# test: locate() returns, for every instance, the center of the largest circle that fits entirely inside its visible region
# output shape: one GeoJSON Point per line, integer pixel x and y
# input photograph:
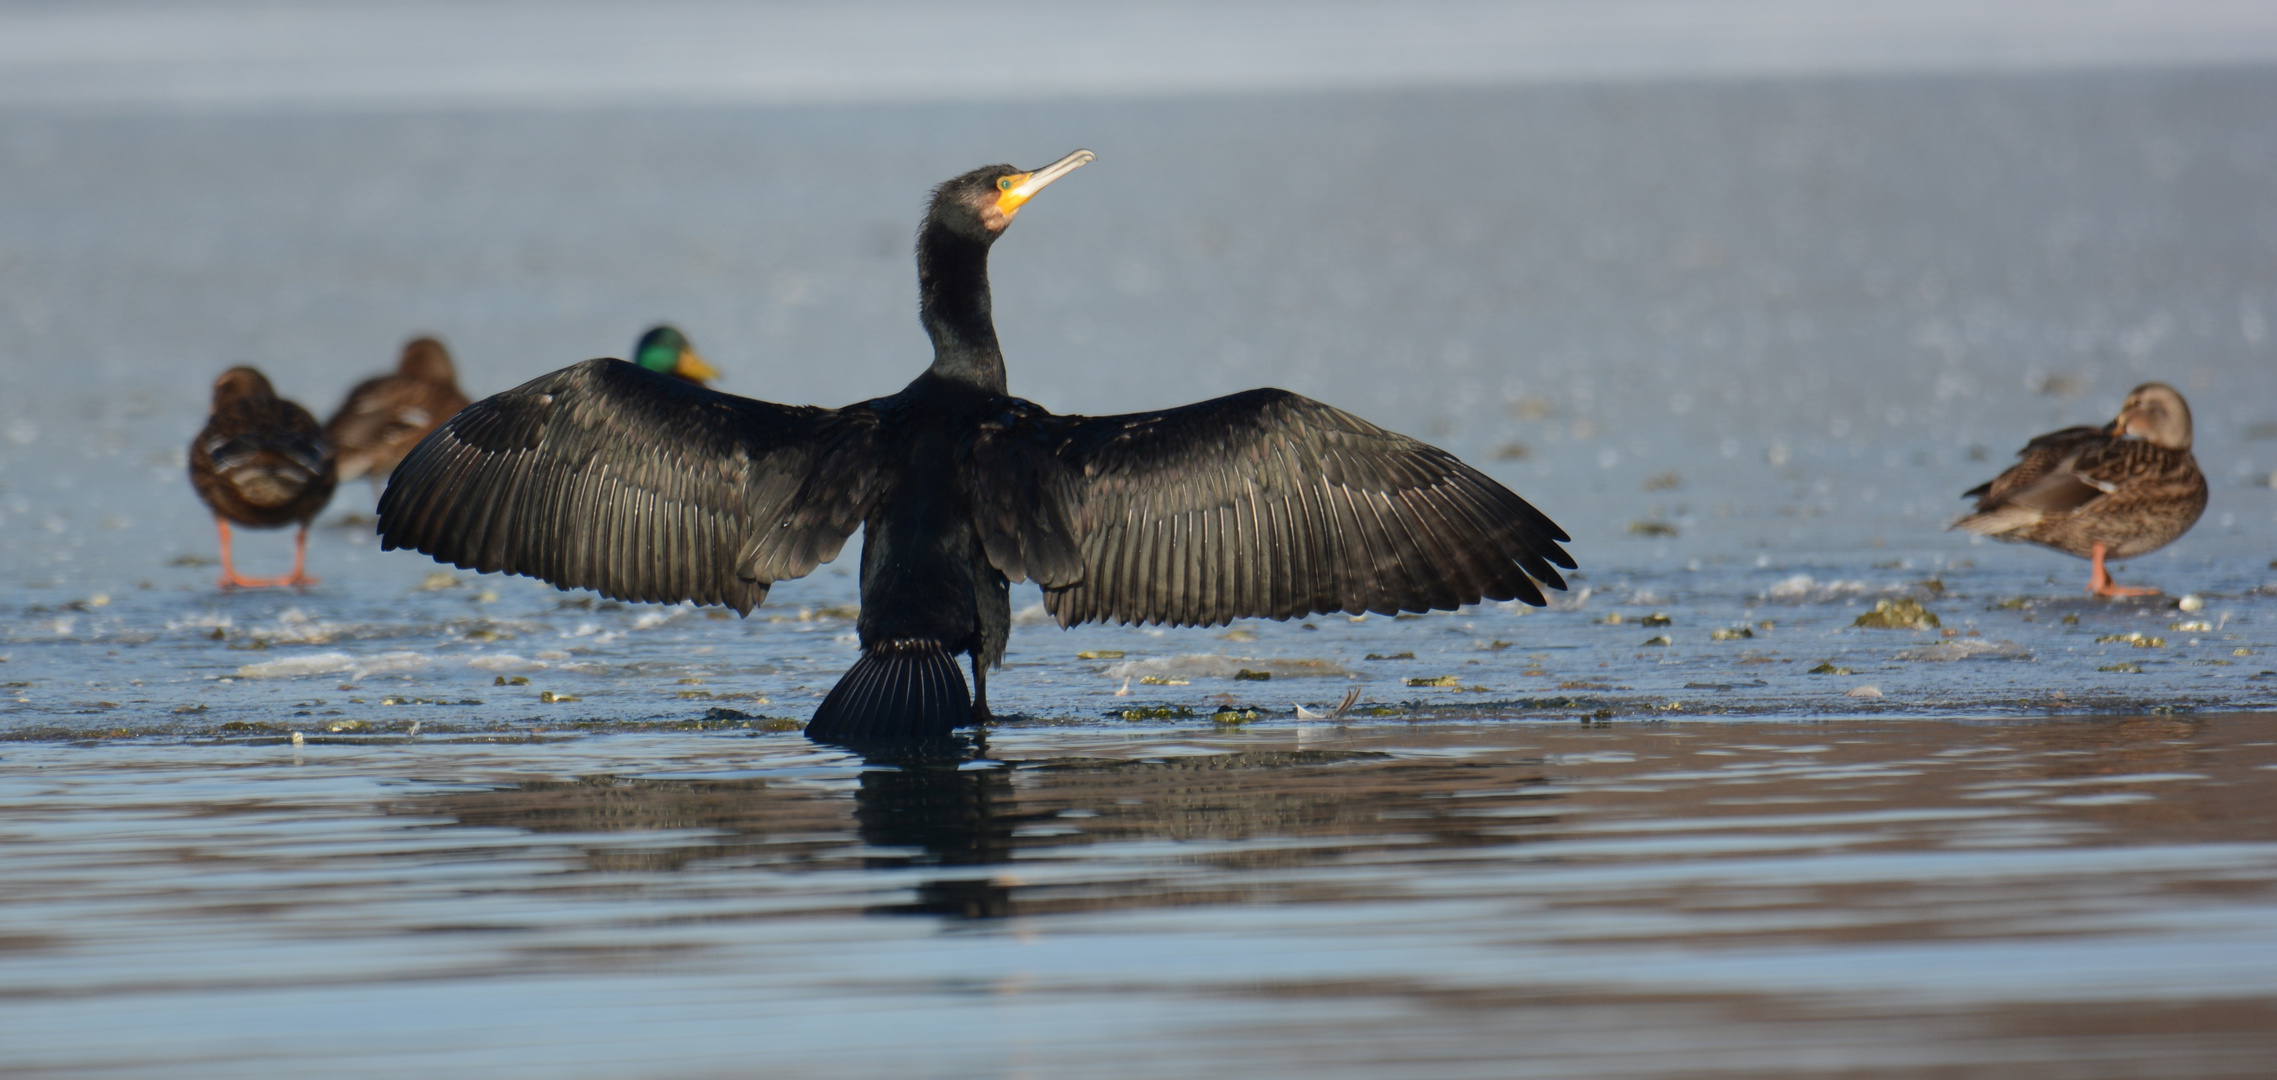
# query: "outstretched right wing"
{"type": "Point", "coordinates": [609, 477]}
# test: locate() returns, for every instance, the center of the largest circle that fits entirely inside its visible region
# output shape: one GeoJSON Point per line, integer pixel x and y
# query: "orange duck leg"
{"type": "Point", "coordinates": [2100, 582]}
{"type": "Point", "coordinates": [230, 579]}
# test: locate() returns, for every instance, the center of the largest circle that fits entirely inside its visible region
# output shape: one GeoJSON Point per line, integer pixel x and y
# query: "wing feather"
{"type": "Point", "coordinates": [2053, 452]}
{"type": "Point", "coordinates": [1266, 504]}
{"type": "Point", "coordinates": [1179, 564]}
{"type": "Point", "coordinates": [1243, 524]}
{"type": "Point", "coordinates": [1361, 548]}
{"type": "Point", "coordinates": [1423, 529]}
{"type": "Point", "coordinates": [2054, 474]}
{"type": "Point", "coordinates": [1286, 558]}
{"type": "Point", "coordinates": [1321, 523]}
{"type": "Point", "coordinates": [1209, 572]}
{"type": "Point", "coordinates": [640, 487]}
{"type": "Point", "coordinates": [1415, 572]}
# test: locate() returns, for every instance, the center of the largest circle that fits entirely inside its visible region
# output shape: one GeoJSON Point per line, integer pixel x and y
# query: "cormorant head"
{"type": "Point", "coordinates": [666, 351]}
{"type": "Point", "coordinates": [2156, 412]}
{"type": "Point", "coordinates": [426, 360]}
{"type": "Point", "coordinates": [240, 384]}
{"type": "Point", "coordinates": [982, 202]}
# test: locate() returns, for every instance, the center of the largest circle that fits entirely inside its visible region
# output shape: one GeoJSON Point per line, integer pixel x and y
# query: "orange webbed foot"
{"type": "Point", "coordinates": [2099, 580]}
{"type": "Point", "coordinates": [251, 583]}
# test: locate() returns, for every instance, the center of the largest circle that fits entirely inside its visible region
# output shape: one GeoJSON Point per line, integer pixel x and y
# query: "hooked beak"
{"type": "Point", "coordinates": [1026, 185]}
{"type": "Point", "coordinates": [691, 366]}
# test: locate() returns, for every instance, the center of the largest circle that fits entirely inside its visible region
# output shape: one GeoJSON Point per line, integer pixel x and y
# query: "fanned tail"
{"type": "Point", "coordinates": [897, 691]}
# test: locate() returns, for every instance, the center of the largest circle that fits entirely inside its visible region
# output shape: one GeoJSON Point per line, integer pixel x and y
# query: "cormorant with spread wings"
{"type": "Point", "coordinates": [1262, 504]}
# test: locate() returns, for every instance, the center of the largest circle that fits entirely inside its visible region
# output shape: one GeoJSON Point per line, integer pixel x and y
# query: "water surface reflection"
{"type": "Point", "coordinates": [2076, 897]}
{"type": "Point", "coordinates": [959, 817]}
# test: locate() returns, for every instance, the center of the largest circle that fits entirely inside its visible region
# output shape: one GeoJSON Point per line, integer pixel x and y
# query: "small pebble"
{"type": "Point", "coordinates": [1865, 692]}
{"type": "Point", "coordinates": [2192, 602]}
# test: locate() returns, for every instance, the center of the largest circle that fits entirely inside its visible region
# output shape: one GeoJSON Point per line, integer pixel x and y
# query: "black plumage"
{"type": "Point", "coordinates": [1263, 504]}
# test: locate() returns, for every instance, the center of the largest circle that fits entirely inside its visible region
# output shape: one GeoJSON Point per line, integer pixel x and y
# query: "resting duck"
{"type": "Point", "coordinates": [385, 416]}
{"type": "Point", "coordinates": [2116, 492]}
{"type": "Point", "coordinates": [261, 462]}
{"type": "Point", "coordinates": [665, 350]}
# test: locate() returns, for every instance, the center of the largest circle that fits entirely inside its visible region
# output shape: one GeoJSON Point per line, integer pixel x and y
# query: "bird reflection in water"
{"type": "Point", "coordinates": [916, 805]}
{"type": "Point", "coordinates": [926, 804]}
{"type": "Point", "coordinates": [950, 819]}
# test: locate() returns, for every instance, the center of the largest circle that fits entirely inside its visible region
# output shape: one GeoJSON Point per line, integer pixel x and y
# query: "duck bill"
{"type": "Point", "coordinates": [1026, 185]}
{"type": "Point", "coordinates": [691, 366]}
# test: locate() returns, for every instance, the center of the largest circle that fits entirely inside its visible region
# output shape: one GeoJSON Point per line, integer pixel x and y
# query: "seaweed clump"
{"type": "Point", "coordinates": [1905, 614]}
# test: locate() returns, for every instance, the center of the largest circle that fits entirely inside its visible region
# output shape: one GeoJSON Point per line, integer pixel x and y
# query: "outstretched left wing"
{"type": "Point", "coordinates": [1263, 504]}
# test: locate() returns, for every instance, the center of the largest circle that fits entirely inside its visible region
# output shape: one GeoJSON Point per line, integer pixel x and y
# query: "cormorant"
{"type": "Point", "coordinates": [2125, 489]}
{"type": "Point", "coordinates": [386, 415]}
{"type": "Point", "coordinates": [1262, 504]}
{"type": "Point", "coordinates": [665, 350]}
{"type": "Point", "coordinates": [262, 462]}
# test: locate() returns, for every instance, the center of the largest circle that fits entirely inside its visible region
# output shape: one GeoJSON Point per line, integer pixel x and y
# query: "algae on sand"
{"type": "Point", "coordinates": [1905, 614]}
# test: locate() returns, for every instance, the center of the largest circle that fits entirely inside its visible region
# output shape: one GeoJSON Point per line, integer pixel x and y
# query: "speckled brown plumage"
{"type": "Point", "coordinates": [261, 462]}
{"type": "Point", "coordinates": [385, 416]}
{"type": "Point", "coordinates": [2126, 489]}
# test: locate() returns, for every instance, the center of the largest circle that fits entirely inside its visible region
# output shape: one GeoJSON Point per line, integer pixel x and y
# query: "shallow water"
{"type": "Point", "coordinates": [1746, 340]}
{"type": "Point", "coordinates": [2044, 898]}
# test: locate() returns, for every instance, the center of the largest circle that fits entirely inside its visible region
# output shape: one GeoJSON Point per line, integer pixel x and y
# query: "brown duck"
{"type": "Point", "coordinates": [261, 462]}
{"type": "Point", "coordinates": [385, 416]}
{"type": "Point", "coordinates": [2119, 491]}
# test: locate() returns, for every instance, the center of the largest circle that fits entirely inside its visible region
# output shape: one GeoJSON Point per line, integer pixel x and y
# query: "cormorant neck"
{"type": "Point", "coordinates": [952, 298]}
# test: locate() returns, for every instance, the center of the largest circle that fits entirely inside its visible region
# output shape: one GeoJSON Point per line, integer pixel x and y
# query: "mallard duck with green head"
{"type": "Point", "coordinates": [261, 462]}
{"type": "Point", "coordinates": [386, 415]}
{"type": "Point", "coordinates": [2127, 488]}
{"type": "Point", "coordinates": [665, 350]}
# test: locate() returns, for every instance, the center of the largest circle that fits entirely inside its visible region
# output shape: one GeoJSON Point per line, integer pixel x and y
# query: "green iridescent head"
{"type": "Point", "coordinates": [666, 351]}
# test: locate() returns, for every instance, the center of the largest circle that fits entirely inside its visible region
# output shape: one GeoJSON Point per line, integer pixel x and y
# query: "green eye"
{"type": "Point", "coordinates": [1004, 184]}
